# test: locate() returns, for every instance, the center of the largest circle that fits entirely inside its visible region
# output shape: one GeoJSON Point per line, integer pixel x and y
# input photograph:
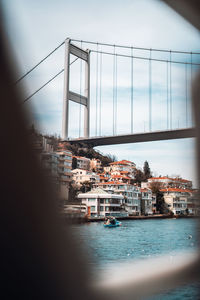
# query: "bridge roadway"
{"type": "Point", "coordinates": [136, 138]}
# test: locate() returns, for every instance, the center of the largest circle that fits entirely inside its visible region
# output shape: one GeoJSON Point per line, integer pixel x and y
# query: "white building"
{"type": "Point", "coordinates": [101, 203]}
{"type": "Point", "coordinates": [130, 193]}
{"type": "Point", "coordinates": [146, 201]}
{"type": "Point", "coordinates": [126, 166]}
{"type": "Point", "coordinates": [177, 199]}
{"type": "Point", "coordinates": [169, 182]}
{"type": "Point", "coordinates": [79, 176]}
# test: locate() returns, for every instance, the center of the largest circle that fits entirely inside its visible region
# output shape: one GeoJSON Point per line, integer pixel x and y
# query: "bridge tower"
{"type": "Point", "coordinates": [69, 95]}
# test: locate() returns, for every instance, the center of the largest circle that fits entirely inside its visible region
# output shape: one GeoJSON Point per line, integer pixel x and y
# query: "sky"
{"type": "Point", "coordinates": [34, 28]}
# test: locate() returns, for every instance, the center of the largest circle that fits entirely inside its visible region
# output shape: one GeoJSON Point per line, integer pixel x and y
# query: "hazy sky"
{"type": "Point", "coordinates": [36, 27]}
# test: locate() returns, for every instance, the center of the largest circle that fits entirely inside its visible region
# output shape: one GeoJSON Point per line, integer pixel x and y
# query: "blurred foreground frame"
{"type": "Point", "coordinates": [39, 258]}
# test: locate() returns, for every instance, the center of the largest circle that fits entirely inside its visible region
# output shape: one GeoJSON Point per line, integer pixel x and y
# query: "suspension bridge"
{"type": "Point", "coordinates": [136, 86]}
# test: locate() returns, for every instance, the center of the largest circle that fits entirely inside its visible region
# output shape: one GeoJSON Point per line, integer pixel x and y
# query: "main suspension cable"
{"type": "Point", "coordinates": [41, 61]}
{"type": "Point", "coordinates": [136, 48]}
{"type": "Point", "coordinates": [146, 58]}
{"type": "Point", "coordinates": [43, 85]}
{"type": "Point", "coordinates": [29, 97]}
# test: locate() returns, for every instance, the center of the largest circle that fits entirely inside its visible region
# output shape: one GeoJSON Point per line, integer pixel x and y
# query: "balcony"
{"type": "Point", "coordinates": [61, 159]}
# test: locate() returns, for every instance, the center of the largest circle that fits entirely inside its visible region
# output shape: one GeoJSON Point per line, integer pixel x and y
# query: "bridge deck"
{"type": "Point", "coordinates": [136, 138]}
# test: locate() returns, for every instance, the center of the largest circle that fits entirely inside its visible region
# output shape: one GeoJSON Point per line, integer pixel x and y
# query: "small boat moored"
{"type": "Point", "coordinates": [111, 222]}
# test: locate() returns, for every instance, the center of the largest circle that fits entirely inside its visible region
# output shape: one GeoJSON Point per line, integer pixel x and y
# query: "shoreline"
{"type": "Point", "coordinates": [82, 219]}
{"type": "Point", "coordinates": [99, 219]}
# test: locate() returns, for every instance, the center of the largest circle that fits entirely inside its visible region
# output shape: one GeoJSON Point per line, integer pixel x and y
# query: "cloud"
{"type": "Point", "coordinates": [164, 157]}
{"type": "Point", "coordinates": [34, 28]}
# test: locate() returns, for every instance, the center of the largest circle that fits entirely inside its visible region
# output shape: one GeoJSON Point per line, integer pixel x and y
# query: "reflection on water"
{"type": "Point", "coordinates": [139, 239]}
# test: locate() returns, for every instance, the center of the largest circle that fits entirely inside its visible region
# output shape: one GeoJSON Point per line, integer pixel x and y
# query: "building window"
{"type": "Point", "coordinates": [93, 208]}
{"type": "Point", "coordinates": [102, 201]}
{"type": "Point", "coordinates": [91, 199]}
{"type": "Point", "coordinates": [101, 208]}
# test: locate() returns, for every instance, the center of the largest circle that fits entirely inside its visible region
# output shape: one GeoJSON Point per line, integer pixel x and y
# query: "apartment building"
{"type": "Point", "coordinates": [82, 162]}
{"type": "Point", "coordinates": [79, 176]}
{"type": "Point", "coordinates": [101, 203]}
{"type": "Point", "coordinates": [130, 194]}
{"type": "Point", "coordinates": [166, 181]}
{"type": "Point", "coordinates": [104, 177]}
{"type": "Point", "coordinates": [118, 167]}
{"type": "Point", "coordinates": [177, 199]}
{"type": "Point", "coordinates": [146, 201]}
{"type": "Point", "coordinates": [57, 165]}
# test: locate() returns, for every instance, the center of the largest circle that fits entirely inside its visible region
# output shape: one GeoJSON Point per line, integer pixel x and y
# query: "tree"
{"type": "Point", "coordinates": [86, 186]}
{"type": "Point", "coordinates": [82, 152]}
{"type": "Point", "coordinates": [73, 191]}
{"type": "Point", "coordinates": [160, 202]}
{"type": "Point", "coordinates": [155, 187]}
{"type": "Point", "coordinates": [139, 177]}
{"type": "Point", "coordinates": [112, 157]}
{"type": "Point", "coordinates": [146, 170]}
{"type": "Point", "coordinates": [74, 163]}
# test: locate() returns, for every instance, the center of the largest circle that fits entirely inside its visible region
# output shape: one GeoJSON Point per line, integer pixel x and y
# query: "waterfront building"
{"type": "Point", "coordinates": [154, 205]}
{"type": "Point", "coordinates": [79, 176]}
{"type": "Point", "coordinates": [146, 201]}
{"type": "Point", "coordinates": [178, 199]}
{"type": "Point", "coordinates": [82, 162]}
{"type": "Point", "coordinates": [193, 203]}
{"type": "Point", "coordinates": [131, 195]}
{"type": "Point", "coordinates": [101, 203]}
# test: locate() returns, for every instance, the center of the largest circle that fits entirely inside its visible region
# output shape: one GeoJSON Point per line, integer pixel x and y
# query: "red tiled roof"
{"type": "Point", "coordinates": [156, 178]}
{"type": "Point", "coordinates": [81, 157]}
{"type": "Point", "coordinates": [145, 190]}
{"type": "Point", "coordinates": [172, 190]}
{"type": "Point", "coordinates": [183, 180]}
{"type": "Point", "coordinates": [112, 182]}
{"type": "Point", "coordinates": [120, 176]}
{"type": "Point", "coordinates": [174, 179]}
{"type": "Point", "coordinates": [119, 163]}
{"type": "Point", "coordinates": [105, 178]}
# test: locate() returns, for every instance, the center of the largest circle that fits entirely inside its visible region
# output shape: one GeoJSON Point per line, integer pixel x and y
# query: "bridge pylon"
{"type": "Point", "coordinates": [75, 97]}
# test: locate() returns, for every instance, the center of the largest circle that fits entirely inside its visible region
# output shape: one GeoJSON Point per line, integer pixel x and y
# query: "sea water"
{"type": "Point", "coordinates": [139, 239]}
